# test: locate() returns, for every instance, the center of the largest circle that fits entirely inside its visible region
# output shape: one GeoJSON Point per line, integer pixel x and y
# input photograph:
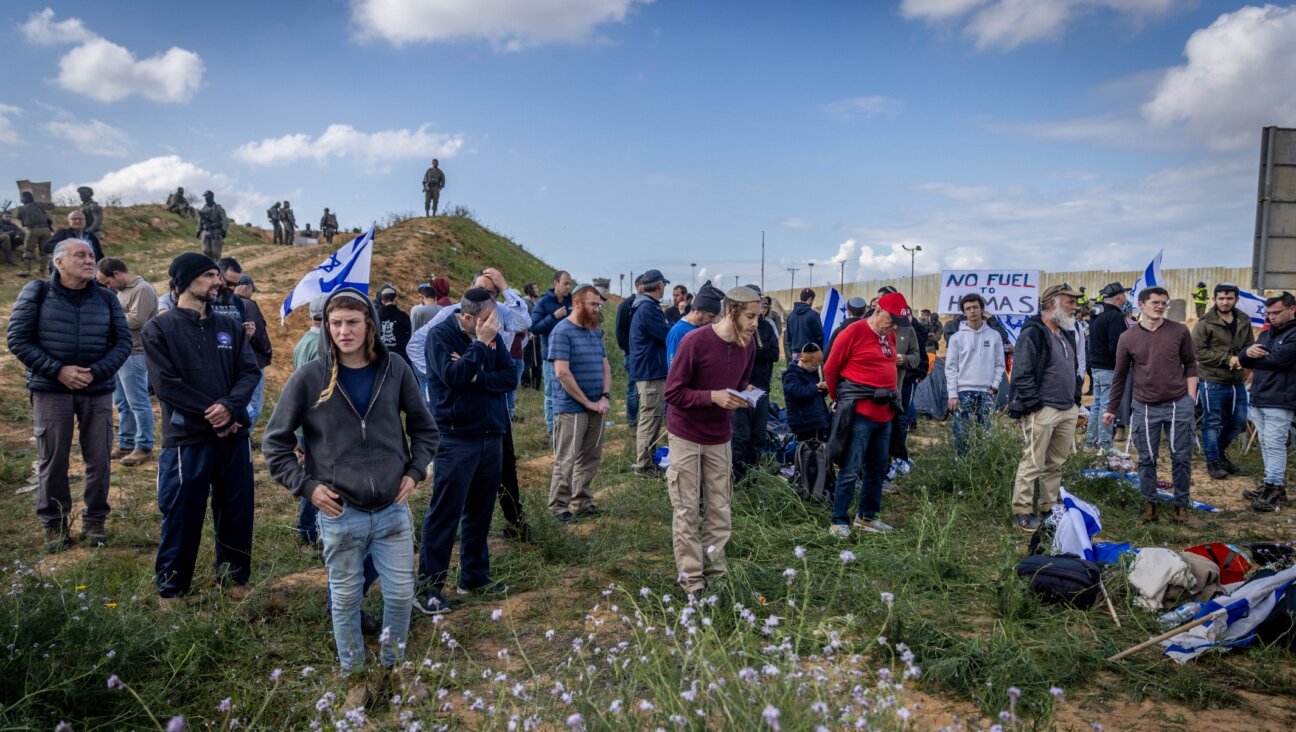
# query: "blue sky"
{"type": "Point", "coordinates": [610, 136]}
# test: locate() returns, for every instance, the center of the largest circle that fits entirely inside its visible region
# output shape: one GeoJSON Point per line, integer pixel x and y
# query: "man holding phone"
{"type": "Point", "coordinates": [1273, 394]}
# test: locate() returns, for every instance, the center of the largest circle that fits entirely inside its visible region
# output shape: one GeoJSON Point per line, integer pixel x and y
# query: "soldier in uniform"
{"type": "Point", "coordinates": [178, 203]}
{"type": "Point", "coordinates": [433, 182]}
{"type": "Point", "coordinates": [276, 215]}
{"type": "Point", "coordinates": [92, 210]}
{"type": "Point", "coordinates": [212, 226]}
{"type": "Point", "coordinates": [328, 226]}
{"type": "Point", "coordinates": [39, 229]}
{"type": "Point", "coordinates": [11, 237]}
{"type": "Point", "coordinates": [289, 221]}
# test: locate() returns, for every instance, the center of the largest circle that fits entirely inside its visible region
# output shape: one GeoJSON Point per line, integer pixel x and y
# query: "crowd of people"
{"type": "Point", "coordinates": [381, 400]}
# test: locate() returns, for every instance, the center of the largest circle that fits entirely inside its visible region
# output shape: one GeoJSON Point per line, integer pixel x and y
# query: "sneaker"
{"type": "Point", "coordinates": [893, 470]}
{"type": "Point", "coordinates": [119, 452]}
{"type": "Point", "coordinates": [1216, 470]}
{"type": "Point", "coordinates": [1228, 465]}
{"type": "Point", "coordinates": [1026, 521]}
{"type": "Point", "coordinates": [57, 538]}
{"type": "Point", "coordinates": [360, 693]}
{"type": "Point", "coordinates": [432, 603]}
{"type": "Point", "coordinates": [840, 531]}
{"type": "Point", "coordinates": [873, 526]}
{"type": "Point", "coordinates": [565, 517]}
{"type": "Point", "coordinates": [1264, 504]}
{"type": "Point", "coordinates": [589, 511]}
{"type": "Point", "coordinates": [488, 589]}
{"type": "Point", "coordinates": [94, 534]}
{"type": "Point", "coordinates": [1263, 490]}
{"type": "Point", "coordinates": [369, 625]}
{"type": "Point", "coordinates": [906, 466]}
{"type": "Point", "coordinates": [136, 457]}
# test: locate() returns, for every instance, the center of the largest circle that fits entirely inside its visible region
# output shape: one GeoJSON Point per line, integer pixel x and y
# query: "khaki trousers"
{"type": "Point", "coordinates": [652, 416]}
{"type": "Point", "coordinates": [578, 450]}
{"type": "Point", "coordinates": [699, 475]}
{"type": "Point", "coordinates": [1050, 438]}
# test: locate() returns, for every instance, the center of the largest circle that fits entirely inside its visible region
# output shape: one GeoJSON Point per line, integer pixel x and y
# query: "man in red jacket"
{"type": "Point", "coordinates": [862, 378]}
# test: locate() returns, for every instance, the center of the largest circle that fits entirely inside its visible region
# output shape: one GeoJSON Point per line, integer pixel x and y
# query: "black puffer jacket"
{"type": "Point", "coordinates": [69, 328]}
{"type": "Point", "coordinates": [1104, 333]}
{"type": "Point", "coordinates": [1273, 383]}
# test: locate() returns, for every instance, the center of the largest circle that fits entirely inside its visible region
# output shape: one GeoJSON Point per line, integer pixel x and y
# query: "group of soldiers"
{"type": "Point", "coordinates": [32, 234]}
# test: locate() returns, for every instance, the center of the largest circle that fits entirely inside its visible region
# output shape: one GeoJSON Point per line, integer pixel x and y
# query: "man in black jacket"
{"type": "Point", "coordinates": [625, 311]}
{"type": "Point", "coordinates": [804, 324]}
{"type": "Point", "coordinates": [1273, 396]}
{"type": "Point", "coordinates": [72, 336]}
{"type": "Point", "coordinates": [394, 324]}
{"type": "Point", "coordinates": [469, 374]}
{"type": "Point", "coordinates": [203, 371]}
{"type": "Point", "coordinates": [749, 423]}
{"type": "Point", "coordinates": [1104, 333]}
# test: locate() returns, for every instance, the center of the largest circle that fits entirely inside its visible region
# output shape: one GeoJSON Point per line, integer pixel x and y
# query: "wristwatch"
{"type": "Point", "coordinates": [606, 396]}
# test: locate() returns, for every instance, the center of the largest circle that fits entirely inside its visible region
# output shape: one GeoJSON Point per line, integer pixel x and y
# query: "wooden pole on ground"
{"type": "Point", "coordinates": [1168, 634]}
{"type": "Point", "coordinates": [1110, 607]}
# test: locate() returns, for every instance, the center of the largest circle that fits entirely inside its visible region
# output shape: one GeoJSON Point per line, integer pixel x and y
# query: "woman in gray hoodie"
{"type": "Point", "coordinates": [361, 466]}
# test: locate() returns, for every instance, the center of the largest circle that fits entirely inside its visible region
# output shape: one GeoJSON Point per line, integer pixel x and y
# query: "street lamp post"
{"type": "Point", "coordinates": [913, 252]}
{"type": "Point", "coordinates": [693, 277]}
{"type": "Point", "coordinates": [735, 280]}
{"type": "Point", "coordinates": [793, 270]}
{"type": "Point", "coordinates": [621, 287]}
{"type": "Point", "coordinates": [811, 266]}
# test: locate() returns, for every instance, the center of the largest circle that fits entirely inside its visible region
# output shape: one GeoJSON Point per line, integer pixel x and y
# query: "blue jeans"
{"type": "Point", "coordinates": [632, 403]}
{"type": "Point", "coordinates": [1224, 416]}
{"type": "Point", "coordinates": [1274, 425]}
{"type": "Point", "coordinates": [135, 431]}
{"type": "Point", "coordinates": [1099, 435]}
{"type": "Point", "coordinates": [974, 406]}
{"type": "Point", "coordinates": [511, 398]}
{"type": "Point", "coordinates": [550, 383]}
{"type": "Point", "coordinates": [867, 458]}
{"type": "Point", "coordinates": [423, 386]}
{"type": "Point", "coordinates": [466, 476]}
{"type": "Point", "coordinates": [257, 401]}
{"type": "Point", "coordinates": [387, 536]}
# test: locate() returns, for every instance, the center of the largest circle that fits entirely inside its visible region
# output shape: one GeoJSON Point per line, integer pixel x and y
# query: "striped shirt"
{"type": "Point", "coordinates": [583, 350]}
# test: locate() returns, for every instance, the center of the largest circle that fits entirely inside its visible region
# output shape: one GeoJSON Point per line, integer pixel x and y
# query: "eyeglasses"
{"type": "Point", "coordinates": [1156, 304]}
{"type": "Point", "coordinates": [886, 347]}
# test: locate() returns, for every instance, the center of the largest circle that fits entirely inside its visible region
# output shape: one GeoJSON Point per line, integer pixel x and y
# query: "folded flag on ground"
{"type": "Point", "coordinates": [1076, 527]}
{"type": "Point", "coordinates": [1133, 479]}
{"type": "Point", "coordinates": [1245, 610]}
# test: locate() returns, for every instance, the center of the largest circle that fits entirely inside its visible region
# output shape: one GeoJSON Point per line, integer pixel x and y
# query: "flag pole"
{"type": "Point", "coordinates": [1169, 634]}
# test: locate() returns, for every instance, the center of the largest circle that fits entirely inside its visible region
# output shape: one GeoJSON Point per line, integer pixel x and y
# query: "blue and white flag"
{"type": "Point", "coordinates": [1253, 305]}
{"type": "Point", "coordinates": [834, 312]}
{"type": "Point", "coordinates": [1075, 529]}
{"type": "Point", "coordinates": [1013, 324]}
{"type": "Point", "coordinates": [1246, 609]}
{"type": "Point", "coordinates": [1151, 278]}
{"type": "Point", "coordinates": [347, 267]}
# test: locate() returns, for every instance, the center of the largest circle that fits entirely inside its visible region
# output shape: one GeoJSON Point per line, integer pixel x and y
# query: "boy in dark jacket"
{"type": "Point", "coordinates": [1273, 395]}
{"type": "Point", "coordinates": [203, 371]}
{"type": "Point", "coordinates": [804, 391]}
{"type": "Point", "coordinates": [469, 374]}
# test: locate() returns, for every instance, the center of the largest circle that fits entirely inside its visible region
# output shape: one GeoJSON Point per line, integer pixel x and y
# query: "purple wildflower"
{"type": "Point", "coordinates": [115, 683]}
{"type": "Point", "coordinates": [176, 724]}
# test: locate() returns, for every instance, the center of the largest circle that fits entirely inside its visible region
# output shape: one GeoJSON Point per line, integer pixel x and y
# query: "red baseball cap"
{"type": "Point", "coordinates": [895, 304]}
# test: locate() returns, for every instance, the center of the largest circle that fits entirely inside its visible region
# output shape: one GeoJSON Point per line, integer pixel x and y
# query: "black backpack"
{"type": "Point", "coordinates": [813, 476]}
{"type": "Point", "coordinates": [1066, 579]}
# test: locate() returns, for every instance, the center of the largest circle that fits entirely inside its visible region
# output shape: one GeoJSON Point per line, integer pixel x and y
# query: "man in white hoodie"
{"type": "Point", "coordinates": [974, 368]}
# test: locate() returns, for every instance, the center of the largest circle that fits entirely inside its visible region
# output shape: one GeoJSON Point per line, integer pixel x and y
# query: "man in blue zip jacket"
{"type": "Point", "coordinates": [203, 371]}
{"type": "Point", "coordinates": [469, 374]}
{"type": "Point", "coordinates": [553, 306]}
{"type": "Point", "coordinates": [647, 367]}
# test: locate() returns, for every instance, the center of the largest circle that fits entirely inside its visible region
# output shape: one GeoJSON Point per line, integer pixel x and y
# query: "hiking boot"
{"type": "Point", "coordinates": [1182, 515]}
{"type": "Point", "coordinates": [369, 625]}
{"type": "Point", "coordinates": [1265, 504]}
{"type": "Point", "coordinates": [653, 473]}
{"type": "Point", "coordinates": [589, 511]}
{"type": "Point", "coordinates": [1264, 490]}
{"type": "Point", "coordinates": [1216, 470]}
{"type": "Point", "coordinates": [496, 589]}
{"type": "Point", "coordinates": [57, 537]}
{"type": "Point", "coordinates": [360, 692]}
{"type": "Point", "coordinates": [840, 531]}
{"type": "Point", "coordinates": [874, 525]}
{"type": "Point", "coordinates": [565, 517]}
{"type": "Point", "coordinates": [518, 532]}
{"type": "Point", "coordinates": [432, 603]}
{"type": "Point", "coordinates": [1027, 522]}
{"type": "Point", "coordinates": [1228, 465]}
{"type": "Point", "coordinates": [1269, 498]}
{"type": "Point", "coordinates": [119, 452]}
{"type": "Point", "coordinates": [136, 457]}
{"type": "Point", "coordinates": [1149, 514]}
{"type": "Point", "coordinates": [93, 533]}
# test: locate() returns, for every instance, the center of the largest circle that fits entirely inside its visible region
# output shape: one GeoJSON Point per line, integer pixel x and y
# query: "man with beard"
{"type": "Point", "coordinates": [1221, 336]}
{"type": "Point", "coordinates": [1047, 399]}
{"type": "Point", "coordinates": [581, 402]}
{"type": "Point", "coordinates": [203, 371]}
{"type": "Point", "coordinates": [680, 304]}
{"type": "Point", "coordinates": [711, 363]}
{"type": "Point", "coordinates": [1160, 356]}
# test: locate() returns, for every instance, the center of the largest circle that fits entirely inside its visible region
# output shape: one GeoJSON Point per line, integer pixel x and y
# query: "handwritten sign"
{"type": "Point", "coordinates": [1006, 292]}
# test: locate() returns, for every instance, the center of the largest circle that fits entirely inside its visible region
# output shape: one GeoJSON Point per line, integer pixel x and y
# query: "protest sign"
{"type": "Point", "coordinates": [1006, 292]}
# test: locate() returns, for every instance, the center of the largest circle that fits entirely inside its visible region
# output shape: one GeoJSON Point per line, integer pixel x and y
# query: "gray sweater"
{"type": "Point", "coordinates": [359, 451]}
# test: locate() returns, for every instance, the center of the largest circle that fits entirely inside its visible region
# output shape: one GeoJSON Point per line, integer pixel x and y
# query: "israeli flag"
{"type": "Point", "coordinates": [1080, 521]}
{"type": "Point", "coordinates": [1246, 609]}
{"type": "Point", "coordinates": [1253, 305]}
{"type": "Point", "coordinates": [1151, 278]}
{"type": "Point", "coordinates": [834, 312]}
{"type": "Point", "coordinates": [1013, 324]}
{"type": "Point", "coordinates": [347, 267]}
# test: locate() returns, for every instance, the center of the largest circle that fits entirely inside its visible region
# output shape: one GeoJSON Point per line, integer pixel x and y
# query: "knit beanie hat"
{"type": "Point", "coordinates": [708, 299]}
{"type": "Point", "coordinates": [188, 267]}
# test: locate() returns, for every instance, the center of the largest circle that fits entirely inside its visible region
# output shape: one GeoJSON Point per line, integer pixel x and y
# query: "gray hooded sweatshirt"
{"type": "Point", "coordinates": [974, 360]}
{"type": "Point", "coordinates": [361, 451]}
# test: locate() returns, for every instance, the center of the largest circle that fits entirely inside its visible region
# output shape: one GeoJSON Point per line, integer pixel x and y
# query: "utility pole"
{"type": "Point", "coordinates": [621, 287]}
{"type": "Point", "coordinates": [843, 278]}
{"type": "Point", "coordinates": [793, 270]}
{"type": "Point", "coordinates": [913, 252]}
{"type": "Point", "coordinates": [735, 280]}
{"type": "Point", "coordinates": [693, 277]}
{"type": "Point", "coordinates": [811, 266]}
{"type": "Point", "coordinates": [762, 260]}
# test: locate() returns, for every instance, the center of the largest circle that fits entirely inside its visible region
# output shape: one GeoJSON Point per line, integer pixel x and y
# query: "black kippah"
{"type": "Point", "coordinates": [477, 294]}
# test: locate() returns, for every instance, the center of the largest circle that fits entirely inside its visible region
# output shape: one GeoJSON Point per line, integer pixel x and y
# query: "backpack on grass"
{"type": "Point", "coordinates": [813, 476]}
{"type": "Point", "coordinates": [1064, 579]}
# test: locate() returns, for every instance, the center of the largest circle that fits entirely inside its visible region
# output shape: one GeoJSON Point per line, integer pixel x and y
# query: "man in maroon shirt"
{"type": "Point", "coordinates": [710, 364]}
{"type": "Point", "coordinates": [1160, 356]}
{"type": "Point", "coordinates": [862, 378]}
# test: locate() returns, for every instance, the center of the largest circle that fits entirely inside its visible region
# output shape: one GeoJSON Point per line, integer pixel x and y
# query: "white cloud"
{"type": "Point", "coordinates": [1233, 82]}
{"type": "Point", "coordinates": [796, 224]}
{"type": "Point", "coordinates": [373, 149]}
{"type": "Point", "coordinates": [866, 107]}
{"type": "Point", "coordinates": [957, 192]}
{"type": "Point", "coordinates": [1007, 24]}
{"type": "Point", "coordinates": [8, 133]}
{"type": "Point", "coordinates": [93, 137]}
{"type": "Point", "coordinates": [150, 181]}
{"type": "Point", "coordinates": [106, 72]}
{"type": "Point", "coordinates": [509, 25]}
{"type": "Point", "coordinates": [844, 252]}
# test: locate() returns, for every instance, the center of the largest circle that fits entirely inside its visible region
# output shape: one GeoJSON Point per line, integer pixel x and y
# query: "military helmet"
{"type": "Point", "coordinates": [85, 190]}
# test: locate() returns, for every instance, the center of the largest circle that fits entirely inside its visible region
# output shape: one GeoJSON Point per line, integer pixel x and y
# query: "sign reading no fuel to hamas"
{"type": "Point", "coordinates": [1006, 292]}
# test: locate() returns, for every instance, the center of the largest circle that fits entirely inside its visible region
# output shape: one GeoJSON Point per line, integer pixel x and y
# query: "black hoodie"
{"type": "Point", "coordinates": [359, 451]}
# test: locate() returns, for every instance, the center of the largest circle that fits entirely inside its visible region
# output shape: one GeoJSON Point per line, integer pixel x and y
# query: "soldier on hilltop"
{"type": "Point", "coordinates": [289, 221]}
{"type": "Point", "coordinates": [328, 226]}
{"type": "Point", "coordinates": [212, 226]}
{"type": "Point", "coordinates": [92, 210]}
{"type": "Point", "coordinates": [433, 181]}
{"type": "Point", "coordinates": [276, 215]}
{"type": "Point", "coordinates": [178, 203]}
